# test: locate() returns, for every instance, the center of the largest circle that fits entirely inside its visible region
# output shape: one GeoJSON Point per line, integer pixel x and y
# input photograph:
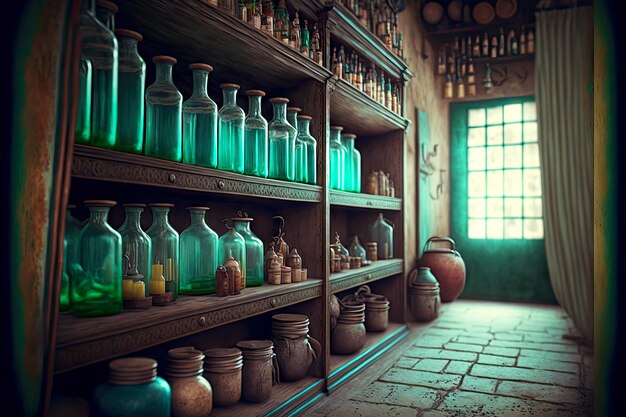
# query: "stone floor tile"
{"type": "Point", "coordinates": [524, 374]}
{"type": "Point", "coordinates": [362, 409]}
{"type": "Point", "coordinates": [501, 351]}
{"type": "Point", "coordinates": [435, 413]}
{"type": "Point", "coordinates": [431, 365]}
{"type": "Point", "coordinates": [433, 331]}
{"type": "Point", "coordinates": [472, 340]}
{"type": "Point", "coordinates": [549, 393]}
{"type": "Point", "coordinates": [432, 341]}
{"type": "Point", "coordinates": [556, 356]}
{"type": "Point", "coordinates": [463, 347]}
{"type": "Point", "coordinates": [547, 364]}
{"type": "Point", "coordinates": [458, 367]}
{"type": "Point", "coordinates": [405, 362]}
{"type": "Point", "coordinates": [471, 383]}
{"type": "Point", "coordinates": [547, 337]}
{"type": "Point", "coordinates": [398, 394]}
{"type": "Point", "coordinates": [440, 354]}
{"type": "Point", "coordinates": [495, 360]}
{"type": "Point", "coordinates": [551, 347]}
{"type": "Point", "coordinates": [421, 378]}
{"type": "Point", "coordinates": [513, 337]}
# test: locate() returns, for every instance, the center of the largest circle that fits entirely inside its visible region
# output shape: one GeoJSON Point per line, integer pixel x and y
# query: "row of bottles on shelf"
{"type": "Point", "coordinates": [112, 105]}
{"type": "Point", "coordinates": [345, 161]}
{"type": "Point", "coordinates": [105, 269]}
{"type": "Point", "coordinates": [379, 183]}
{"type": "Point", "coordinates": [353, 70]}
{"type": "Point", "coordinates": [380, 19]}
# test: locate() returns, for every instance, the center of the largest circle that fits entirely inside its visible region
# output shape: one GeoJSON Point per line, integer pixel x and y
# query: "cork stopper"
{"type": "Point", "coordinates": [164, 58]}
{"type": "Point", "coordinates": [255, 93]}
{"type": "Point", "coordinates": [304, 117]}
{"type": "Point", "coordinates": [108, 5]}
{"type": "Point", "coordinates": [200, 66]}
{"type": "Point", "coordinates": [126, 33]}
{"type": "Point", "coordinates": [100, 203]}
{"type": "Point", "coordinates": [340, 128]}
{"type": "Point", "coordinates": [141, 205]}
{"type": "Point", "coordinates": [161, 205]}
{"type": "Point", "coordinates": [296, 109]}
{"type": "Point", "coordinates": [349, 135]}
{"type": "Point", "coordinates": [230, 85]}
{"type": "Point", "coordinates": [279, 100]}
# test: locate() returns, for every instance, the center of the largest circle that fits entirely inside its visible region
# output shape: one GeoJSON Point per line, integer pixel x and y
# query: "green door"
{"type": "Point", "coordinates": [496, 215]}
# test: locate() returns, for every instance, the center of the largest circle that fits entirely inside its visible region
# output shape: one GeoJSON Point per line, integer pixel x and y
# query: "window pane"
{"type": "Point", "coordinates": [533, 229]}
{"type": "Point", "coordinates": [476, 117]}
{"type": "Point", "coordinates": [531, 155]}
{"type": "Point", "coordinates": [494, 157]}
{"type": "Point", "coordinates": [476, 184]}
{"type": "Point", "coordinates": [494, 183]}
{"type": "Point", "coordinates": [494, 115]}
{"type": "Point", "coordinates": [512, 113]}
{"type": "Point", "coordinates": [532, 207]}
{"type": "Point", "coordinates": [513, 228]}
{"type": "Point", "coordinates": [513, 207]}
{"type": "Point", "coordinates": [494, 207]}
{"type": "Point", "coordinates": [494, 135]}
{"type": "Point", "coordinates": [530, 111]}
{"type": "Point", "coordinates": [513, 182]}
{"type": "Point", "coordinates": [476, 159]}
{"type": "Point", "coordinates": [476, 229]}
{"type": "Point", "coordinates": [530, 132]}
{"type": "Point", "coordinates": [476, 207]}
{"type": "Point", "coordinates": [513, 133]}
{"type": "Point", "coordinates": [494, 228]}
{"type": "Point", "coordinates": [513, 156]}
{"type": "Point", "coordinates": [532, 183]}
{"type": "Point", "coordinates": [476, 136]}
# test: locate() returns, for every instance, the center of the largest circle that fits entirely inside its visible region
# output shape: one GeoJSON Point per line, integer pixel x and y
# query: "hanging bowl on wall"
{"type": "Point", "coordinates": [506, 9]}
{"type": "Point", "coordinates": [483, 13]}
{"type": "Point", "coordinates": [432, 12]}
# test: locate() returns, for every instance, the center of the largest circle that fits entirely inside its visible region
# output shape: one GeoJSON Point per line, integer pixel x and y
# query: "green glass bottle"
{"type": "Point", "coordinates": [105, 12]}
{"type": "Point", "coordinates": [96, 276]}
{"type": "Point", "coordinates": [300, 173]}
{"type": "Point", "coordinates": [163, 113]}
{"type": "Point", "coordinates": [230, 140]}
{"type": "Point", "coordinates": [353, 163]}
{"type": "Point", "coordinates": [337, 159]}
{"type": "Point", "coordinates": [233, 244]}
{"type": "Point", "coordinates": [254, 251]}
{"type": "Point", "coordinates": [255, 136]}
{"type": "Point", "coordinates": [310, 143]}
{"type": "Point", "coordinates": [200, 121]}
{"type": "Point", "coordinates": [282, 139]}
{"type": "Point", "coordinates": [70, 243]}
{"type": "Point", "coordinates": [198, 255]}
{"type": "Point", "coordinates": [83, 115]}
{"type": "Point", "coordinates": [131, 88]}
{"type": "Point", "coordinates": [165, 245]}
{"type": "Point", "coordinates": [136, 244]}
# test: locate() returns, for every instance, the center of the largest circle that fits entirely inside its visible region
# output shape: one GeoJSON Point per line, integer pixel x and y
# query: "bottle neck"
{"type": "Point", "coordinates": [348, 142]}
{"type": "Point", "coordinates": [200, 79]}
{"type": "Point", "coordinates": [164, 71]}
{"type": "Point", "coordinates": [128, 46]}
{"type": "Point", "coordinates": [254, 106]}
{"type": "Point", "coordinates": [292, 118]}
{"type": "Point", "coordinates": [280, 111]}
{"type": "Point", "coordinates": [197, 217]}
{"type": "Point", "coordinates": [230, 96]}
{"type": "Point", "coordinates": [335, 136]}
{"type": "Point", "coordinates": [133, 217]}
{"type": "Point", "coordinates": [98, 215]}
{"type": "Point", "coordinates": [303, 127]}
{"type": "Point", "coordinates": [160, 216]}
{"type": "Point", "coordinates": [242, 226]}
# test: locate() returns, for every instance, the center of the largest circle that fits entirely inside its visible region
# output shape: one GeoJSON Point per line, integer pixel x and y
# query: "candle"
{"type": "Point", "coordinates": [139, 290]}
{"type": "Point", "coordinates": [169, 269]}
{"type": "Point", "coordinates": [157, 283]}
{"type": "Point", "coordinates": [127, 286]}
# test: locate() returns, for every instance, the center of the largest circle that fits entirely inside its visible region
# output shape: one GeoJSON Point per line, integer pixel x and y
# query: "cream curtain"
{"type": "Point", "coordinates": [564, 71]}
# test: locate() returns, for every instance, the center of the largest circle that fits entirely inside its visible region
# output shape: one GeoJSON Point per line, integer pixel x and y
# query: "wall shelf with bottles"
{"type": "Point", "coordinates": [444, 33]}
{"type": "Point", "coordinates": [351, 278]}
{"type": "Point", "coordinates": [362, 200]}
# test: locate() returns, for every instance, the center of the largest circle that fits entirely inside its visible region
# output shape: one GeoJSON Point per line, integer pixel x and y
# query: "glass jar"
{"type": "Point", "coordinates": [282, 138]}
{"type": "Point", "coordinates": [310, 143]}
{"type": "Point", "coordinates": [357, 250]}
{"type": "Point", "coordinates": [254, 251]}
{"type": "Point", "coordinates": [200, 121]}
{"type": "Point", "coordinates": [255, 146]}
{"type": "Point", "coordinates": [96, 276]}
{"type": "Point", "coordinates": [198, 255]}
{"type": "Point", "coordinates": [231, 144]}
{"type": "Point", "coordinates": [163, 113]}
{"type": "Point", "coordinates": [105, 12]}
{"type": "Point", "coordinates": [300, 172]}
{"type": "Point", "coordinates": [99, 47]}
{"type": "Point", "coordinates": [337, 159]}
{"type": "Point", "coordinates": [83, 113]}
{"type": "Point", "coordinates": [136, 244]}
{"type": "Point", "coordinates": [353, 163]}
{"type": "Point", "coordinates": [232, 244]}
{"type": "Point", "coordinates": [165, 245]}
{"type": "Point", "coordinates": [72, 230]}
{"type": "Point", "coordinates": [381, 232]}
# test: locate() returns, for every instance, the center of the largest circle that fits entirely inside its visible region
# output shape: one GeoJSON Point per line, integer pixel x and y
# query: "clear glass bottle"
{"type": "Point", "coordinates": [254, 251]}
{"type": "Point", "coordinates": [198, 255]}
{"type": "Point", "coordinates": [136, 244]}
{"type": "Point", "coordinates": [300, 173]}
{"type": "Point", "coordinates": [98, 47]}
{"type": "Point", "coordinates": [255, 136]}
{"type": "Point", "coordinates": [131, 89]}
{"type": "Point", "coordinates": [353, 163]}
{"type": "Point", "coordinates": [96, 276]}
{"type": "Point", "coordinates": [233, 244]}
{"type": "Point", "coordinates": [163, 113]}
{"type": "Point", "coordinates": [70, 244]}
{"type": "Point", "coordinates": [105, 12]}
{"type": "Point", "coordinates": [310, 143]}
{"type": "Point", "coordinates": [356, 249]}
{"type": "Point", "coordinates": [337, 159]}
{"type": "Point", "coordinates": [282, 139]}
{"type": "Point", "coordinates": [231, 131]}
{"type": "Point", "coordinates": [200, 121]}
{"type": "Point", "coordinates": [165, 249]}
{"type": "Point", "coordinates": [381, 232]}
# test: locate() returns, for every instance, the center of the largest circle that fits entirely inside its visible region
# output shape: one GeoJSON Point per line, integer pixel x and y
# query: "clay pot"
{"type": "Point", "coordinates": [258, 369]}
{"type": "Point", "coordinates": [293, 346]}
{"type": "Point", "coordinates": [376, 313]}
{"type": "Point", "coordinates": [223, 369]}
{"type": "Point", "coordinates": [348, 337]}
{"type": "Point", "coordinates": [192, 394]}
{"type": "Point", "coordinates": [447, 266]}
{"type": "Point", "coordinates": [335, 309]}
{"type": "Point", "coordinates": [424, 298]}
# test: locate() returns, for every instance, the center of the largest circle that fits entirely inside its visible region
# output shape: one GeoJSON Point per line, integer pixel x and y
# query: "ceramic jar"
{"type": "Point", "coordinates": [372, 251]}
{"type": "Point", "coordinates": [334, 309]}
{"type": "Point", "coordinates": [376, 314]}
{"type": "Point", "coordinates": [274, 272]}
{"type": "Point", "coordinates": [192, 395]}
{"type": "Point", "coordinates": [223, 369]}
{"type": "Point", "coordinates": [371, 185]}
{"type": "Point", "coordinates": [447, 266]}
{"type": "Point", "coordinates": [348, 336]}
{"type": "Point", "coordinates": [295, 349]}
{"type": "Point", "coordinates": [294, 261]}
{"type": "Point", "coordinates": [259, 369]}
{"type": "Point", "coordinates": [424, 300]}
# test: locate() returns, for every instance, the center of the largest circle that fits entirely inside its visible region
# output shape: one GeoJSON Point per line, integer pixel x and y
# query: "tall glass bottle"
{"type": "Point", "coordinates": [198, 255]}
{"type": "Point", "coordinates": [105, 12]}
{"type": "Point", "coordinates": [230, 142]}
{"type": "Point", "coordinates": [381, 232]}
{"type": "Point", "coordinates": [254, 251]}
{"type": "Point", "coordinates": [131, 88]}
{"type": "Point", "coordinates": [163, 113]}
{"type": "Point", "coordinates": [282, 138]}
{"type": "Point", "coordinates": [136, 244]}
{"type": "Point", "coordinates": [337, 159]}
{"type": "Point", "coordinates": [165, 245]}
{"type": "Point", "coordinates": [233, 244]}
{"type": "Point", "coordinates": [255, 136]}
{"type": "Point", "coordinates": [310, 143]}
{"type": "Point", "coordinates": [200, 121]}
{"type": "Point", "coordinates": [353, 163]}
{"type": "Point", "coordinates": [70, 243]}
{"type": "Point", "coordinates": [300, 171]}
{"type": "Point", "coordinates": [96, 276]}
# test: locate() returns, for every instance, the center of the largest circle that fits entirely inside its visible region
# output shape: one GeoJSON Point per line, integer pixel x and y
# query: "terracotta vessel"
{"type": "Point", "coordinates": [192, 394]}
{"type": "Point", "coordinates": [259, 369]}
{"type": "Point", "coordinates": [447, 266]}
{"type": "Point", "coordinates": [295, 349]}
{"type": "Point", "coordinates": [223, 369]}
{"type": "Point", "coordinates": [424, 299]}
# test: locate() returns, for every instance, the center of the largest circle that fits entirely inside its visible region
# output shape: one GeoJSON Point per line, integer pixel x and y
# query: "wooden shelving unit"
{"type": "Point", "coordinates": [355, 277]}
{"type": "Point", "coordinates": [361, 200]}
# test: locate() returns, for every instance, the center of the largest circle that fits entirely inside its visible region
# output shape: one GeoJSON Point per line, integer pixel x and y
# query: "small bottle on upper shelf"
{"type": "Point", "coordinates": [494, 47]}
{"type": "Point", "coordinates": [530, 42]}
{"type": "Point", "coordinates": [267, 21]}
{"type": "Point", "coordinates": [522, 41]}
{"type": "Point", "coordinates": [476, 47]}
{"type": "Point", "coordinates": [305, 40]}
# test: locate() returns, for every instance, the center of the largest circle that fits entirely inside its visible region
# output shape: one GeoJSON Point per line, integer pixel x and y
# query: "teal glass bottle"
{"type": "Point", "coordinates": [96, 276]}
{"type": "Point", "coordinates": [230, 140]}
{"type": "Point", "coordinates": [254, 251]}
{"type": "Point", "coordinates": [353, 163]}
{"type": "Point", "coordinates": [310, 144]}
{"type": "Point", "coordinates": [198, 255]}
{"type": "Point", "coordinates": [337, 159]}
{"type": "Point", "coordinates": [163, 113]}
{"type": "Point", "coordinates": [70, 243]}
{"type": "Point", "coordinates": [282, 139]}
{"type": "Point", "coordinates": [300, 173]}
{"type": "Point", "coordinates": [165, 249]}
{"type": "Point", "coordinates": [136, 244]}
{"type": "Point", "coordinates": [200, 121]}
{"type": "Point", "coordinates": [233, 244]}
{"type": "Point", "coordinates": [99, 47]}
{"type": "Point", "coordinates": [255, 136]}
{"type": "Point", "coordinates": [381, 232]}
{"type": "Point", "coordinates": [131, 89]}
{"type": "Point", "coordinates": [105, 12]}
{"type": "Point", "coordinates": [83, 115]}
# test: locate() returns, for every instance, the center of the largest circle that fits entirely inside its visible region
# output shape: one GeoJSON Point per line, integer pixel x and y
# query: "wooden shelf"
{"type": "Point", "coordinates": [344, 367]}
{"type": "Point", "coordinates": [105, 165]}
{"type": "Point", "coordinates": [504, 59]}
{"type": "Point", "coordinates": [362, 200]}
{"type": "Point", "coordinates": [84, 340]}
{"type": "Point", "coordinates": [354, 277]}
{"type": "Point", "coordinates": [479, 28]}
{"type": "Point", "coordinates": [360, 114]}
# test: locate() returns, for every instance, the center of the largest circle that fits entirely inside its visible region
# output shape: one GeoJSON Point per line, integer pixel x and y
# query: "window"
{"type": "Point", "coordinates": [504, 178]}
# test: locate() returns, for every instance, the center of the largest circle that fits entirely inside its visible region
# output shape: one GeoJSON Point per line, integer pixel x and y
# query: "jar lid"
{"type": "Point", "coordinates": [291, 318]}
{"type": "Point", "coordinates": [340, 128]}
{"type": "Point", "coordinates": [230, 85]}
{"type": "Point", "coordinates": [100, 203]}
{"type": "Point", "coordinates": [141, 205]}
{"type": "Point", "coordinates": [255, 344]}
{"type": "Point", "coordinates": [304, 117]}
{"type": "Point", "coordinates": [161, 205]}
{"type": "Point", "coordinates": [164, 58]}
{"type": "Point", "coordinates": [349, 135]}
{"type": "Point", "coordinates": [241, 219]}
{"type": "Point", "coordinates": [109, 5]}
{"type": "Point", "coordinates": [255, 93]}
{"type": "Point", "coordinates": [222, 353]}
{"type": "Point", "coordinates": [297, 109]}
{"type": "Point", "coordinates": [198, 208]}
{"type": "Point", "coordinates": [128, 34]}
{"type": "Point", "coordinates": [279, 100]}
{"type": "Point", "coordinates": [132, 371]}
{"type": "Point", "coordinates": [201, 66]}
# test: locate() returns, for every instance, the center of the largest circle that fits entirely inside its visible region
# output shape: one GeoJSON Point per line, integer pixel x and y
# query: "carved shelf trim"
{"type": "Point", "coordinates": [361, 200]}
{"type": "Point", "coordinates": [355, 277]}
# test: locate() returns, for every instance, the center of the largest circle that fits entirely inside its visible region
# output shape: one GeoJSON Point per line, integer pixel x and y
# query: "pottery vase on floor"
{"type": "Point", "coordinates": [447, 265]}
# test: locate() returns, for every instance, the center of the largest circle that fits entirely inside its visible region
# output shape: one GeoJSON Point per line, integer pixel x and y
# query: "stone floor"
{"type": "Point", "coordinates": [477, 359]}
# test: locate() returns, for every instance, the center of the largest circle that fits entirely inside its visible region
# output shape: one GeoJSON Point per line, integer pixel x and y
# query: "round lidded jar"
{"type": "Point", "coordinates": [192, 394]}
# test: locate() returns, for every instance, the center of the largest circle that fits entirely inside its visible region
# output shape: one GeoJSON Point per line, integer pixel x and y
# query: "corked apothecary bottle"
{"type": "Point", "coordinates": [294, 261]}
{"type": "Point", "coordinates": [232, 244]}
{"type": "Point", "coordinates": [234, 276]}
